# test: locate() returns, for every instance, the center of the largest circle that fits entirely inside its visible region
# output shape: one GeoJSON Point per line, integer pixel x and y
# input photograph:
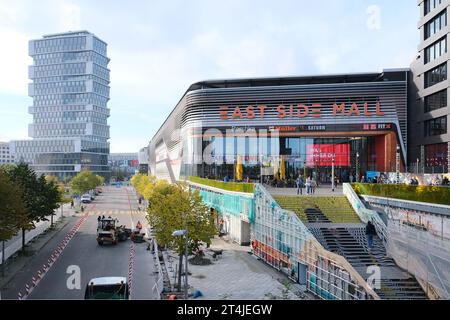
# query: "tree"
{"type": "Point", "coordinates": [85, 181]}
{"type": "Point", "coordinates": [39, 197]}
{"type": "Point", "coordinates": [144, 184]}
{"type": "Point", "coordinates": [12, 209]}
{"type": "Point", "coordinates": [174, 207]}
{"type": "Point", "coordinates": [52, 195]}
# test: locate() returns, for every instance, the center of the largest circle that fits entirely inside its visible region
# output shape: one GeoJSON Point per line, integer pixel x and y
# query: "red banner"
{"type": "Point", "coordinates": [322, 155]}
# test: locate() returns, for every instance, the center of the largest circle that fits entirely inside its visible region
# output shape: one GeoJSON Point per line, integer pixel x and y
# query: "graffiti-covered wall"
{"type": "Point", "coordinates": [283, 241]}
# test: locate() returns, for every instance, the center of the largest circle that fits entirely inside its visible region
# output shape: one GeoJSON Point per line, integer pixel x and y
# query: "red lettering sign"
{"type": "Point", "coordinates": [322, 155]}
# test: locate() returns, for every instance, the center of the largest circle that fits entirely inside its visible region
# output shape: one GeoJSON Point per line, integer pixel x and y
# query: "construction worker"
{"type": "Point", "coordinates": [139, 226]}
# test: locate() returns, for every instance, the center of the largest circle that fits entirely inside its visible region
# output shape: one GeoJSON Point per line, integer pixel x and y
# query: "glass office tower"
{"type": "Point", "coordinates": [70, 91]}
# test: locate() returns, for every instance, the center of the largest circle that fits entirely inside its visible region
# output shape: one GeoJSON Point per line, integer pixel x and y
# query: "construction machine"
{"type": "Point", "coordinates": [108, 231]}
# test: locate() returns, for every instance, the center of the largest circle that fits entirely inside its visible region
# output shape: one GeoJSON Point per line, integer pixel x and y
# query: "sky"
{"type": "Point", "coordinates": [159, 47]}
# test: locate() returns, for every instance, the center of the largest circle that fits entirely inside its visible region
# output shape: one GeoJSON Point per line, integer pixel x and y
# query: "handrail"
{"type": "Point", "coordinates": [364, 213]}
{"type": "Point", "coordinates": [320, 250]}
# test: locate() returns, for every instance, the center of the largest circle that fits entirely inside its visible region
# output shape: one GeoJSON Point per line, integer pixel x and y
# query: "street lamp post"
{"type": "Point", "coordinates": [304, 170]}
{"type": "Point", "coordinates": [332, 174]}
{"type": "Point", "coordinates": [357, 167]}
{"type": "Point", "coordinates": [397, 164]}
{"type": "Point", "coordinates": [180, 233]}
{"type": "Point", "coordinates": [317, 173]}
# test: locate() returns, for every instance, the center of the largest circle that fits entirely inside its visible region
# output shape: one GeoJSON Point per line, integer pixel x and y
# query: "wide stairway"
{"type": "Point", "coordinates": [337, 227]}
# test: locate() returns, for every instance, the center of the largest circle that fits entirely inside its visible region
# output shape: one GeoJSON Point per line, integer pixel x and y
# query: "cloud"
{"type": "Point", "coordinates": [70, 16]}
{"type": "Point", "coordinates": [14, 62]}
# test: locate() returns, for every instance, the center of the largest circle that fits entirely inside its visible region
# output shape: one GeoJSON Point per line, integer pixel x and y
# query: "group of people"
{"type": "Point", "coordinates": [310, 184]}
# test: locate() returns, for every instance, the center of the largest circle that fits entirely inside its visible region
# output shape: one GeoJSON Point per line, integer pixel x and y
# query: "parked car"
{"type": "Point", "coordinates": [86, 198]}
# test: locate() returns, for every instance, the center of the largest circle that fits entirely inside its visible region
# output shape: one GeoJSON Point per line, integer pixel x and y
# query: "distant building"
{"type": "Point", "coordinates": [143, 157]}
{"type": "Point", "coordinates": [123, 164]}
{"type": "Point", "coordinates": [70, 92]}
{"type": "Point", "coordinates": [5, 155]}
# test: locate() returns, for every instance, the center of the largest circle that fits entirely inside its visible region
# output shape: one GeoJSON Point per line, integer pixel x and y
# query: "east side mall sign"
{"type": "Point", "coordinates": [298, 111]}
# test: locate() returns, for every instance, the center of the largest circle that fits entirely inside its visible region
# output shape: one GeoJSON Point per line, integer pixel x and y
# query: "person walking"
{"type": "Point", "coordinates": [313, 186]}
{"type": "Point", "coordinates": [370, 232]}
{"type": "Point", "coordinates": [299, 183]}
{"type": "Point", "coordinates": [71, 204]}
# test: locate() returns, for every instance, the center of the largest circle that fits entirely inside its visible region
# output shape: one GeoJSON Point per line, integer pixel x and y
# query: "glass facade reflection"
{"type": "Point", "coordinates": [312, 156]}
{"type": "Point", "coordinates": [70, 91]}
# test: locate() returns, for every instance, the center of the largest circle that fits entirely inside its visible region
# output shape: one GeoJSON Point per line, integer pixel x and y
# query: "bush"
{"type": "Point", "coordinates": [230, 186]}
{"type": "Point", "coordinates": [430, 194]}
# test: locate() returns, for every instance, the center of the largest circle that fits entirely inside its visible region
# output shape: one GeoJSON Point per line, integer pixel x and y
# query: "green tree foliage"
{"type": "Point", "coordinates": [85, 181]}
{"type": "Point", "coordinates": [175, 207]}
{"type": "Point", "coordinates": [39, 197]}
{"type": "Point", "coordinates": [12, 209]}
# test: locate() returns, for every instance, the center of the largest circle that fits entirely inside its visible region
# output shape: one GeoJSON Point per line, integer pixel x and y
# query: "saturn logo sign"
{"type": "Point", "coordinates": [298, 111]}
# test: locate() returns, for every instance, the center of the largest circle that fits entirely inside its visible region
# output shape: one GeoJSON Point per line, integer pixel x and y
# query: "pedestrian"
{"type": "Point", "coordinates": [299, 183]}
{"type": "Point", "coordinates": [363, 180]}
{"type": "Point", "coordinates": [103, 217]}
{"type": "Point", "coordinates": [351, 178]}
{"type": "Point", "coordinates": [71, 204]}
{"type": "Point", "coordinates": [370, 232]}
{"type": "Point", "coordinates": [139, 226]}
{"type": "Point", "coordinates": [82, 208]}
{"type": "Point", "coordinates": [308, 185]}
{"type": "Point", "coordinates": [313, 186]}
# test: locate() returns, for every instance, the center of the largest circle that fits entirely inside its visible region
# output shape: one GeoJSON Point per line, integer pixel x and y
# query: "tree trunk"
{"type": "Point", "coordinates": [179, 271]}
{"type": "Point", "coordinates": [23, 240]}
{"type": "Point", "coordinates": [51, 221]}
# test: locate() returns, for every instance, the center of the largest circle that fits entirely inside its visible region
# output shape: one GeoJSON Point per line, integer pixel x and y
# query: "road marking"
{"type": "Point", "coordinates": [56, 253]}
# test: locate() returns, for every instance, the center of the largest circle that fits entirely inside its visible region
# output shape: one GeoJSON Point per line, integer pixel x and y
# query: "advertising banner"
{"type": "Point", "coordinates": [322, 154]}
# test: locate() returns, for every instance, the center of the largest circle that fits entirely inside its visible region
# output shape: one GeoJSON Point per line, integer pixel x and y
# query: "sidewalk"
{"type": "Point", "coordinates": [16, 262]}
{"type": "Point", "coordinates": [237, 275]}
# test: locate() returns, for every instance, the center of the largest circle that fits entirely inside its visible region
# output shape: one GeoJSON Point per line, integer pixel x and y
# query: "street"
{"type": "Point", "coordinates": [80, 250]}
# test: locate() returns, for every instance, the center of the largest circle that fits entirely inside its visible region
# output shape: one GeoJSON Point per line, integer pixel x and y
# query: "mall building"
{"type": "Point", "coordinates": [352, 123]}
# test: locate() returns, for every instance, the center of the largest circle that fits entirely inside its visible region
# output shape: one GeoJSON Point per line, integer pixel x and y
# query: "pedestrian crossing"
{"type": "Point", "coordinates": [108, 213]}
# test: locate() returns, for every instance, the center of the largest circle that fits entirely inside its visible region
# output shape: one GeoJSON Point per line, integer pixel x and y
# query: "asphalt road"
{"type": "Point", "coordinates": [92, 260]}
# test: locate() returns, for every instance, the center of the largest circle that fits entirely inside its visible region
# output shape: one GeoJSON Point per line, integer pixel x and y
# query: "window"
{"type": "Point", "coordinates": [436, 155]}
{"type": "Point", "coordinates": [436, 101]}
{"type": "Point", "coordinates": [430, 5]}
{"type": "Point", "coordinates": [436, 75]}
{"type": "Point", "coordinates": [436, 24]}
{"type": "Point", "coordinates": [436, 50]}
{"type": "Point", "coordinates": [435, 127]}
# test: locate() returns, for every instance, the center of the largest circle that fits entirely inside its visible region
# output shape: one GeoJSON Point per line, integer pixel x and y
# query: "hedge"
{"type": "Point", "coordinates": [430, 194]}
{"type": "Point", "coordinates": [230, 186]}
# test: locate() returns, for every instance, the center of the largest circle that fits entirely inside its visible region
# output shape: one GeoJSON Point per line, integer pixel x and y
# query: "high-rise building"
{"type": "Point", "coordinates": [429, 127]}
{"type": "Point", "coordinates": [5, 154]}
{"type": "Point", "coordinates": [70, 91]}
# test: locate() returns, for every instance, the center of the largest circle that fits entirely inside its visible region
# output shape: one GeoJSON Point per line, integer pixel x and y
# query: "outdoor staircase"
{"type": "Point", "coordinates": [401, 289]}
{"type": "Point", "coordinates": [351, 243]}
{"type": "Point", "coordinates": [314, 215]}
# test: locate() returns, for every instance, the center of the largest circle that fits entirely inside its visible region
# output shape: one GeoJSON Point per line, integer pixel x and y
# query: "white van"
{"type": "Point", "coordinates": [86, 198]}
